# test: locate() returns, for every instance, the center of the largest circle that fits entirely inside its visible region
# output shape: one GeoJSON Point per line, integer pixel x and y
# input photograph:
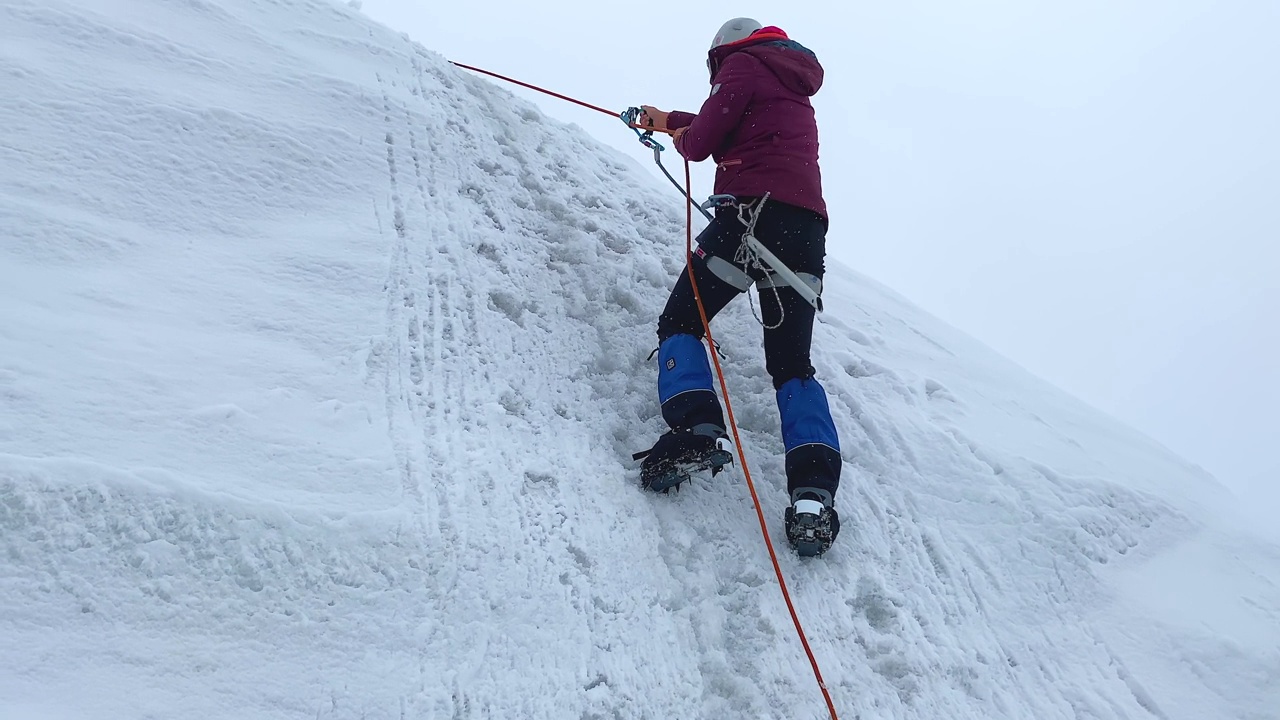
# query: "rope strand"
{"type": "Point", "coordinates": [513, 81]}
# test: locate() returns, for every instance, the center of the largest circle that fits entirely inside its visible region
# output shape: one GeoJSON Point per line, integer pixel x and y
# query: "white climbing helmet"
{"type": "Point", "coordinates": [735, 30]}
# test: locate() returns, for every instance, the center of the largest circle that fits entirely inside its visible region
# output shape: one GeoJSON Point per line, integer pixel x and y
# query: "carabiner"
{"type": "Point", "coordinates": [631, 116]}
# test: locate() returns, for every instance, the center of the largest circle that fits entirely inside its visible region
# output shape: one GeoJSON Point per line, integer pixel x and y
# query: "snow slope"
{"type": "Point", "coordinates": [321, 364]}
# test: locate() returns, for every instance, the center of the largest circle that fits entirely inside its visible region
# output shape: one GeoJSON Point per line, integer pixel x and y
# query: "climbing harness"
{"type": "Point", "coordinates": [631, 117]}
{"type": "Point", "coordinates": [760, 257]}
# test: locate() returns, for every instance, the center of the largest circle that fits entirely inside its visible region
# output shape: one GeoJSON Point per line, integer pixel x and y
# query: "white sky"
{"type": "Point", "coordinates": [1092, 188]}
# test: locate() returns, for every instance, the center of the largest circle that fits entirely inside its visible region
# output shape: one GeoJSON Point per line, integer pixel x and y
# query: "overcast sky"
{"type": "Point", "coordinates": [1090, 187]}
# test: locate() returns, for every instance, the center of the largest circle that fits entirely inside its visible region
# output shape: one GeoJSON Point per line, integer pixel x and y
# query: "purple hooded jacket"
{"type": "Point", "coordinates": [758, 123]}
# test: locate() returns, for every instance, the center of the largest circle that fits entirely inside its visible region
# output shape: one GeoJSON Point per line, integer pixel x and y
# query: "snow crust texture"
{"type": "Point", "coordinates": [321, 365]}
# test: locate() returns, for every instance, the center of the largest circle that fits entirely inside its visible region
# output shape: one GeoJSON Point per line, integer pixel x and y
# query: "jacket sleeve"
{"type": "Point", "coordinates": [722, 111]}
{"type": "Point", "coordinates": [677, 119]}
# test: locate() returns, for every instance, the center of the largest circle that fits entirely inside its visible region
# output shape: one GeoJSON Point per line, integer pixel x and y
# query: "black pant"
{"type": "Point", "coordinates": [798, 238]}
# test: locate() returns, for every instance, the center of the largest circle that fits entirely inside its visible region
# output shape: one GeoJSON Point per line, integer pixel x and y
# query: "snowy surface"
{"type": "Point", "coordinates": [321, 364]}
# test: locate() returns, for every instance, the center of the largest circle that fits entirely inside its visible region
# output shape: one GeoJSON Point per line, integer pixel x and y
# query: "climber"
{"type": "Point", "coordinates": [759, 127]}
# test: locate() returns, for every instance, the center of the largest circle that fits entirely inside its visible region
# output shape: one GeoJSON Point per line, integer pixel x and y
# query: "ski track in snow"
{"type": "Point", "coordinates": [321, 364]}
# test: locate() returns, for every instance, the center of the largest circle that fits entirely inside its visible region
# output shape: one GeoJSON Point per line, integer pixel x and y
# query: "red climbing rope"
{"type": "Point", "coordinates": [545, 91]}
{"type": "Point", "coordinates": [513, 81]}
{"type": "Point", "coordinates": [724, 388]}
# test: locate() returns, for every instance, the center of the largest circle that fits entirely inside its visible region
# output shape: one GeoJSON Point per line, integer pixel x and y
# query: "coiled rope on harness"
{"type": "Point", "coordinates": [631, 117]}
{"type": "Point", "coordinates": [748, 256]}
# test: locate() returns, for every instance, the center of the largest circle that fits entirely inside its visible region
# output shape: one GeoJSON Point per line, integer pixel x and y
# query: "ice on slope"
{"type": "Point", "coordinates": [320, 368]}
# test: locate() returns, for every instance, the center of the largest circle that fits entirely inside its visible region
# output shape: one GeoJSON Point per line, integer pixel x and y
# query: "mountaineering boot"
{"type": "Point", "coordinates": [679, 453]}
{"type": "Point", "coordinates": [812, 524]}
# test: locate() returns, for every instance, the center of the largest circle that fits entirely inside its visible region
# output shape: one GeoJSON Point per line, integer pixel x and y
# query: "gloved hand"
{"type": "Point", "coordinates": [652, 117]}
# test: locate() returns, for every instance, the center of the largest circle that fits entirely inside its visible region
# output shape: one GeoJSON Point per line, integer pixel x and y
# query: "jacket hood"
{"type": "Point", "coordinates": [795, 65]}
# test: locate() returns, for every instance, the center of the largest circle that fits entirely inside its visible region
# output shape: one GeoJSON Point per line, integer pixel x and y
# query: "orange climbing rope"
{"type": "Point", "coordinates": [724, 388]}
